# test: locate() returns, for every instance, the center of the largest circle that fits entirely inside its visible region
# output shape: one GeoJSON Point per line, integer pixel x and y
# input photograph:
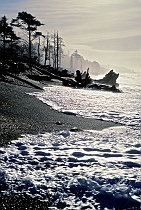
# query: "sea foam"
{"type": "Point", "coordinates": [78, 170]}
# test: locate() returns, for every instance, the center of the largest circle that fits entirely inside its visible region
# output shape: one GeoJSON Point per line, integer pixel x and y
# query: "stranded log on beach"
{"type": "Point", "coordinates": [109, 79]}
{"type": "Point", "coordinates": [105, 87]}
{"type": "Point", "coordinates": [66, 81]}
{"type": "Point", "coordinates": [47, 73]}
{"type": "Point", "coordinates": [108, 83]}
{"type": "Point", "coordinates": [5, 73]}
{"type": "Point", "coordinates": [23, 80]}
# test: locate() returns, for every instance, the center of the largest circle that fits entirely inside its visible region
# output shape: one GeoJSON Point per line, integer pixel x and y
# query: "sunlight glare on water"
{"type": "Point", "coordinates": [81, 170]}
{"type": "Point", "coordinates": [93, 103]}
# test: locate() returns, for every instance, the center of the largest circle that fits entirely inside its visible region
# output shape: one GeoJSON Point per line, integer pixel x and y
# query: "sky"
{"type": "Point", "coordinates": [106, 31]}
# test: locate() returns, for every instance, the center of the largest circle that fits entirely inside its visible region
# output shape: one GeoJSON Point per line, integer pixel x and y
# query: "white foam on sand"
{"type": "Point", "coordinates": [94, 104]}
{"type": "Point", "coordinates": [79, 170]}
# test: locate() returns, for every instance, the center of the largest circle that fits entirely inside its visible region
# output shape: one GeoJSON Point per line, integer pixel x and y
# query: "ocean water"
{"type": "Point", "coordinates": [82, 170]}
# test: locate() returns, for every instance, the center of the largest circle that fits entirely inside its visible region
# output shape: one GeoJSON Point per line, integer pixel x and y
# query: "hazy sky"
{"type": "Point", "coordinates": [107, 31]}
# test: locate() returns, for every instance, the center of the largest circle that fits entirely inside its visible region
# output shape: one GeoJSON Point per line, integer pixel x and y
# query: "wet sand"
{"type": "Point", "coordinates": [21, 113]}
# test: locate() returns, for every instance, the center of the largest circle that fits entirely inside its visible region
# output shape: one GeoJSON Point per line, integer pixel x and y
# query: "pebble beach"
{"type": "Point", "coordinates": [60, 160]}
{"type": "Point", "coordinates": [21, 113]}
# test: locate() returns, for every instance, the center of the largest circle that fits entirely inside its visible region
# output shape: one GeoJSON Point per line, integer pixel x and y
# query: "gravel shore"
{"type": "Point", "coordinates": [21, 113]}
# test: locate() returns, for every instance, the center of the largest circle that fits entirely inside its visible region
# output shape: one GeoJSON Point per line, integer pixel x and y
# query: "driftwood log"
{"type": "Point", "coordinates": [109, 79]}
{"type": "Point", "coordinates": [39, 77]}
{"type": "Point", "coordinates": [79, 82]}
{"type": "Point", "coordinates": [22, 80]}
{"type": "Point", "coordinates": [66, 81]}
{"type": "Point", "coordinates": [104, 87]}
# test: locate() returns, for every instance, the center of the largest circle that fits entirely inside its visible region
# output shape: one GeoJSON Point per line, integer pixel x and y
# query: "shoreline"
{"type": "Point", "coordinates": [21, 113]}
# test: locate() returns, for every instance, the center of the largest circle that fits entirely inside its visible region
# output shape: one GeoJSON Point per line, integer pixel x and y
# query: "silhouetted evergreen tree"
{"type": "Point", "coordinates": [8, 40]}
{"type": "Point", "coordinates": [28, 24]}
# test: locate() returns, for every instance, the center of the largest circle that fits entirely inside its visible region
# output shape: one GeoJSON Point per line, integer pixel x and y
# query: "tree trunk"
{"type": "Point", "coordinates": [29, 46]}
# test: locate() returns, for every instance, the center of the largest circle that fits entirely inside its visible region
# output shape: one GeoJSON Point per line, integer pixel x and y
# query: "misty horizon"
{"type": "Point", "coordinates": [108, 33]}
